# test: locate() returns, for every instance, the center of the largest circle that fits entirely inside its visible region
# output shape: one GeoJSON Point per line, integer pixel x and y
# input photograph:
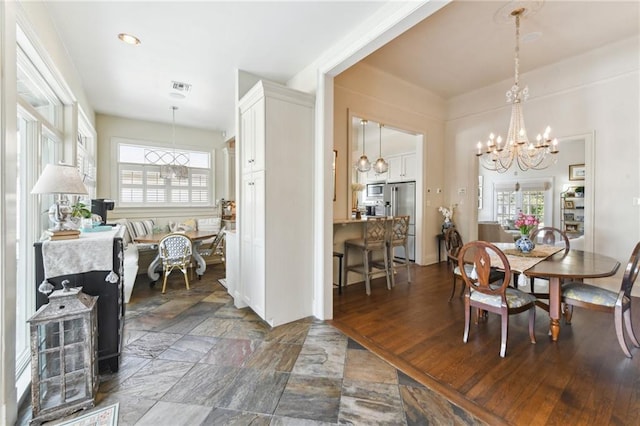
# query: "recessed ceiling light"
{"type": "Point", "coordinates": [129, 39]}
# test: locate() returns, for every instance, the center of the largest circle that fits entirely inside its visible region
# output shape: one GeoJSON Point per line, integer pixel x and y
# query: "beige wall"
{"type": "Point", "coordinates": [109, 126]}
{"type": "Point", "coordinates": [368, 93]}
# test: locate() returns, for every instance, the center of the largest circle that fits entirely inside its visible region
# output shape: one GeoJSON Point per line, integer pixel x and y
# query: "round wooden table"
{"type": "Point", "coordinates": [574, 265]}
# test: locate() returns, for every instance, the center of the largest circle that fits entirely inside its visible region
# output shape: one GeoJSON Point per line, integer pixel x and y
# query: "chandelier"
{"type": "Point", "coordinates": [498, 154]}
{"type": "Point", "coordinates": [175, 170]}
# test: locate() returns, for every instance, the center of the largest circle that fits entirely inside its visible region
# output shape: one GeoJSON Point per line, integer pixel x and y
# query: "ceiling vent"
{"type": "Point", "coordinates": [180, 87]}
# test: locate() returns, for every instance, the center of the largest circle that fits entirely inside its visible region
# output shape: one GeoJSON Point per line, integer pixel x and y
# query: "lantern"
{"type": "Point", "coordinates": [64, 375]}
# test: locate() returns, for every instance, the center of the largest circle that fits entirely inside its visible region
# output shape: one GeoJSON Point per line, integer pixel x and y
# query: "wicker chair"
{"type": "Point", "coordinates": [375, 239]}
{"type": "Point", "coordinates": [175, 251]}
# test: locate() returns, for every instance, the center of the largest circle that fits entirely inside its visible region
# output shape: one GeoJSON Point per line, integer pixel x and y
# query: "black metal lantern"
{"type": "Point", "coordinates": [64, 375]}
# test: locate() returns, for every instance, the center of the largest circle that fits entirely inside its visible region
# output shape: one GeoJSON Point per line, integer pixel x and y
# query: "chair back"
{"type": "Point", "coordinates": [399, 229]}
{"type": "Point", "coordinates": [631, 272]}
{"type": "Point", "coordinates": [452, 242]}
{"type": "Point", "coordinates": [216, 244]}
{"type": "Point", "coordinates": [375, 231]}
{"type": "Point", "coordinates": [551, 236]}
{"type": "Point", "coordinates": [477, 253]}
{"type": "Point", "coordinates": [175, 246]}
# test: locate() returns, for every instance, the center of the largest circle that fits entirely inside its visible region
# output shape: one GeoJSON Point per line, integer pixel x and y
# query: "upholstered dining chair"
{"type": "Point", "coordinates": [550, 236]}
{"type": "Point", "coordinates": [175, 252]}
{"type": "Point", "coordinates": [374, 240]}
{"type": "Point", "coordinates": [599, 299]}
{"type": "Point", "coordinates": [481, 294]}
{"type": "Point", "coordinates": [453, 243]}
{"type": "Point", "coordinates": [398, 237]}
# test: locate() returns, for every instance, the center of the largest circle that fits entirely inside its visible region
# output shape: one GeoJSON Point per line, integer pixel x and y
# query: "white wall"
{"type": "Point", "coordinates": [109, 126]}
{"type": "Point", "coordinates": [593, 93]}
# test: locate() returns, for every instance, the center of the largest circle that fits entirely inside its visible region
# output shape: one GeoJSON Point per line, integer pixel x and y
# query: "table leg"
{"type": "Point", "coordinates": [202, 265]}
{"type": "Point", "coordinates": [555, 302]}
{"type": "Point", "coordinates": [153, 267]}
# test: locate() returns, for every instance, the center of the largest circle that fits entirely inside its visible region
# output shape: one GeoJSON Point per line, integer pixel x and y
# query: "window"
{"type": "Point", "coordinates": [532, 197]}
{"type": "Point", "coordinates": [140, 183]}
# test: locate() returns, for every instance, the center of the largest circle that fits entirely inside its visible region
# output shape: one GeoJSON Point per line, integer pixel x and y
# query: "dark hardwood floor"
{"type": "Point", "coordinates": [584, 378]}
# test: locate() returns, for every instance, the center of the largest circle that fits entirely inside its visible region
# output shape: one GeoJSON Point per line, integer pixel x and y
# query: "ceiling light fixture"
{"type": "Point", "coordinates": [380, 166]}
{"type": "Point", "coordinates": [129, 39]}
{"type": "Point", "coordinates": [363, 164]}
{"type": "Point", "coordinates": [517, 148]}
{"type": "Point", "coordinates": [174, 170]}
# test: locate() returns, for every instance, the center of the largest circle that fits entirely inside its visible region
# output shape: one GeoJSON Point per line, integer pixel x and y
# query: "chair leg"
{"type": "Point", "coordinates": [617, 319]}
{"type": "Point", "coordinates": [568, 313]}
{"type": "Point", "coordinates": [532, 324]}
{"type": "Point", "coordinates": [164, 281]}
{"type": "Point", "coordinates": [453, 289]}
{"type": "Point", "coordinates": [627, 323]}
{"type": "Point", "coordinates": [390, 283]}
{"type": "Point", "coordinates": [186, 276]}
{"type": "Point", "coordinates": [467, 319]}
{"type": "Point", "coordinates": [345, 270]}
{"type": "Point", "coordinates": [366, 272]}
{"type": "Point", "coordinates": [406, 261]}
{"type": "Point", "coordinates": [391, 264]}
{"type": "Point", "coordinates": [505, 330]}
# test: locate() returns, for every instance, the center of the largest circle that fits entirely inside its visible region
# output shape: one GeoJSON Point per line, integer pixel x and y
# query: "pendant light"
{"type": "Point", "coordinates": [174, 170]}
{"type": "Point", "coordinates": [380, 166]}
{"type": "Point", "coordinates": [363, 163]}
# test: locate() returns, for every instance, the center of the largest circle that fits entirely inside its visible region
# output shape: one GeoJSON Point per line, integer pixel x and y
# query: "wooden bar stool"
{"type": "Point", "coordinates": [339, 256]}
{"type": "Point", "coordinates": [375, 239]}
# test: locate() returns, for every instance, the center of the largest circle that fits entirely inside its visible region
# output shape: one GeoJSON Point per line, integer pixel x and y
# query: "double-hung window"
{"type": "Point", "coordinates": [141, 184]}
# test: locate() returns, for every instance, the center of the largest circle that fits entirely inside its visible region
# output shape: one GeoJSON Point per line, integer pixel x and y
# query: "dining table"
{"type": "Point", "coordinates": [571, 265]}
{"type": "Point", "coordinates": [197, 237]}
{"type": "Point", "coordinates": [557, 265]}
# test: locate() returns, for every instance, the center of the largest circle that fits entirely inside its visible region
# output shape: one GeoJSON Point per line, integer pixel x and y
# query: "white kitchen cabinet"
{"type": "Point", "coordinates": [373, 176]}
{"type": "Point", "coordinates": [402, 167]}
{"type": "Point", "coordinates": [275, 225]}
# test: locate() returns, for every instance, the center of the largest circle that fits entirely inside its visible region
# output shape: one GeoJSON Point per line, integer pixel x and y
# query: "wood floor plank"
{"type": "Point", "coordinates": [584, 378]}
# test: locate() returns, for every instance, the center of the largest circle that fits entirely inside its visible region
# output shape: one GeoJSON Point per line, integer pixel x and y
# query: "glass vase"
{"type": "Point", "coordinates": [524, 244]}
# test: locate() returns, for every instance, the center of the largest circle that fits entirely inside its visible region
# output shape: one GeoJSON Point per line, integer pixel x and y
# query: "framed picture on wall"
{"type": "Point", "coordinates": [568, 204]}
{"type": "Point", "coordinates": [576, 172]}
{"type": "Point", "coordinates": [568, 217]}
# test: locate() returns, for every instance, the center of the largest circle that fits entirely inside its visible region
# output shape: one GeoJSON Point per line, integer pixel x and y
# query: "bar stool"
{"type": "Point", "coordinates": [375, 239]}
{"type": "Point", "coordinates": [339, 256]}
{"type": "Point", "coordinates": [398, 237]}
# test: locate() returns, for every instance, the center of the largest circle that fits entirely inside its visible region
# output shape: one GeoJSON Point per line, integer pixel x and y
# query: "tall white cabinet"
{"type": "Point", "coordinates": [275, 222]}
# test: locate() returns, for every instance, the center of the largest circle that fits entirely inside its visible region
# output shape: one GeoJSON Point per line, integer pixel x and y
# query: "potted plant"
{"type": "Point", "coordinates": [80, 210]}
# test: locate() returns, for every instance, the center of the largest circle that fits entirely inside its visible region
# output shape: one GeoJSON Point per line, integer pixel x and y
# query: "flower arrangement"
{"type": "Point", "coordinates": [526, 222]}
{"type": "Point", "coordinates": [447, 213]}
{"type": "Point", "coordinates": [355, 188]}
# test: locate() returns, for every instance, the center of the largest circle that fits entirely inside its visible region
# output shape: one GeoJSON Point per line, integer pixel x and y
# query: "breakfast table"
{"type": "Point", "coordinates": [195, 236]}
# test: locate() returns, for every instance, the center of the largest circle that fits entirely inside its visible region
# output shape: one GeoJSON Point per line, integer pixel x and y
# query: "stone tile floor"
{"type": "Point", "coordinates": [191, 358]}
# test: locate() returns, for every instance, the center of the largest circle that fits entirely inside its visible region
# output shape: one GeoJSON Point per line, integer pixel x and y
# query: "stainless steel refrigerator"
{"type": "Point", "coordinates": [402, 199]}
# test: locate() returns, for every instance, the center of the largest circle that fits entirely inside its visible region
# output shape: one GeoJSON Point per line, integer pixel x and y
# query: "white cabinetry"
{"type": "Point", "coordinates": [402, 167]}
{"type": "Point", "coordinates": [275, 225]}
{"type": "Point", "coordinates": [373, 176]}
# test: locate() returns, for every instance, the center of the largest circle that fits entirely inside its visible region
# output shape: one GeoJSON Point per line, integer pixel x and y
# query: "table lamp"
{"type": "Point", "coordinates": [61, 180]}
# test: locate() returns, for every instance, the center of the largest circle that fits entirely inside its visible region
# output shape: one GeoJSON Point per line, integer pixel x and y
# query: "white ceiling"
{"type": "Point", "coordinates": [458, 49]}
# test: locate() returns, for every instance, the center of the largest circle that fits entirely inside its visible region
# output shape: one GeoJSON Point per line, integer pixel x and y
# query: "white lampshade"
{"type": "Point", "coordinates": [60, 179]}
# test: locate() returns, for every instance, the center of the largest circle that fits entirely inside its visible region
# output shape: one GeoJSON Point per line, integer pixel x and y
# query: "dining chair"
{"type": "Point", "coordinates": [216, 247]}
{"type": "Point", "coordinates": [175, 252]}
{"type": "Point", "coordinates": [453, 243]}
{"type": "Point", "coordinates": [373, 240]}
{"type": "Point", "coordinates": [485, 296]}
{"type": "Point", "coordinates": [398, 236]}
{"type": "Point", "coordinates": [551, 236]}
{"type": "Point", "coordinates": [596, 298]}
